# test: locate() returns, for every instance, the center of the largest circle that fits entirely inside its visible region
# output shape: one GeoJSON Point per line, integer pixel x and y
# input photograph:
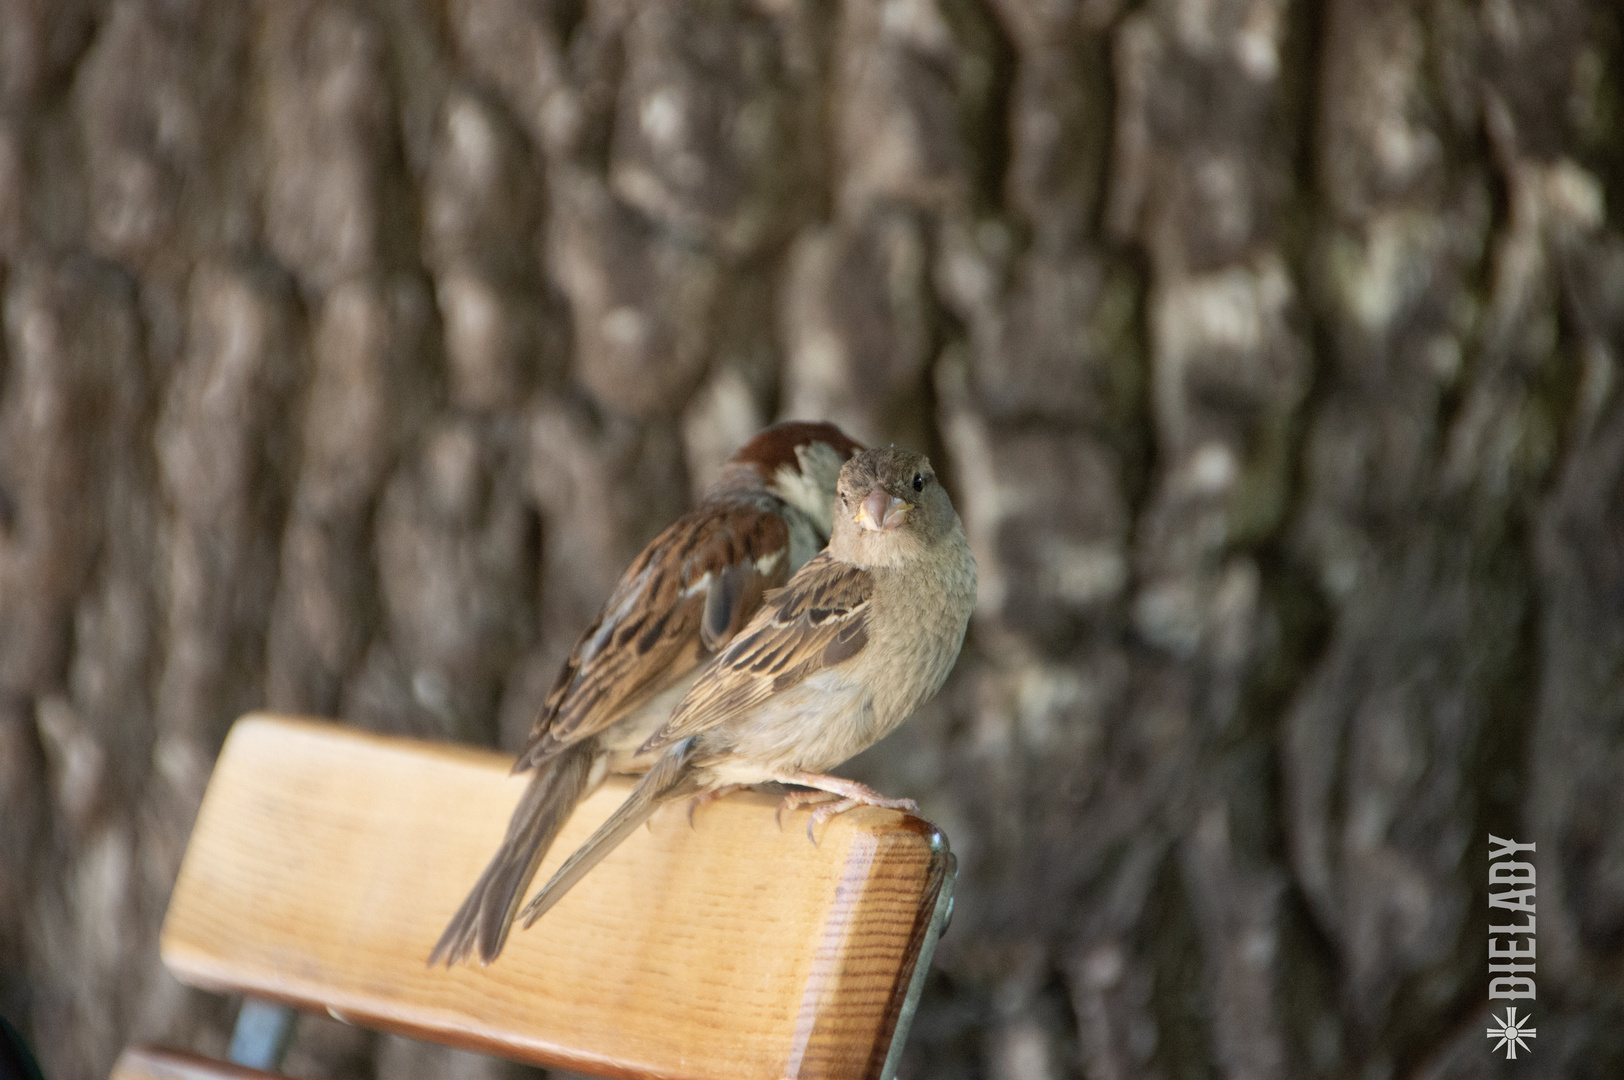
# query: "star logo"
{"type": "Point", "coordinates": [1511, 1032]}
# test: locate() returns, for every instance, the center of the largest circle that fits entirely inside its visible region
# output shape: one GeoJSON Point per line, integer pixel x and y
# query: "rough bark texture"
{"type": "Point", "coordinates": [1271, 351]}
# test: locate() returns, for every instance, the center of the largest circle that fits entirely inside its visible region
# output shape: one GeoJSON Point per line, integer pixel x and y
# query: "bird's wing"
{"type": "Point", "coordinates": [818, 620]}
{"type": "Point", "coordinates": [692, 588]}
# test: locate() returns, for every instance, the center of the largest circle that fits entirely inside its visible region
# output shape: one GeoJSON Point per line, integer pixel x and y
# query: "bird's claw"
{"type": "Point", "coordinates": [794, 800]}
{"type": "Point", "coordinates": [707, 797]}
{"type": "Point", "coordinates": [823, 813]}
{"type": "Point", "coordinates": [833, 804]}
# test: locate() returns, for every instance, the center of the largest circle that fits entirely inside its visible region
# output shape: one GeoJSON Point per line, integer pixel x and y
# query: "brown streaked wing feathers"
{"type": "Point", "coordinates": [818, 620]}
{"type": "Point", "coordinates": [662, 629]}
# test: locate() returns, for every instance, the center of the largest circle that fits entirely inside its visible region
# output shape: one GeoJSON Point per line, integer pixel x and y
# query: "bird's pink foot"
{"type": "Point", "coordinates": [794, 800]}
{"type": "Point", "coordinates": [833, 795]}
{"type": "Point", "coordinates": [709, 797]}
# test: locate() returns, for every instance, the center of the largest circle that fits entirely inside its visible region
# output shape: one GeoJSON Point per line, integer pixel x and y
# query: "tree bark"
{"type": "Point", "coordinates": [1270, 350]}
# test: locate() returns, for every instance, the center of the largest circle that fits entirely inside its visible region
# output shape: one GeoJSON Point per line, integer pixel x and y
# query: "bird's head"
{"type": "Point", "coordinates": [889, 505]}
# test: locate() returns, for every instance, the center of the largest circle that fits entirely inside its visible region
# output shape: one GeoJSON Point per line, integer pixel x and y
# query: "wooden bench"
{"type": "Point", "coordinates": [325, 862]}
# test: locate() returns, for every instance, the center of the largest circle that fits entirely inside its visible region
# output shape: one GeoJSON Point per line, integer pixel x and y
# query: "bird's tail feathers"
{"type": "Point", "coordinates": [486, 916]}
{"type": "Point", "coordinates": [670, 778]}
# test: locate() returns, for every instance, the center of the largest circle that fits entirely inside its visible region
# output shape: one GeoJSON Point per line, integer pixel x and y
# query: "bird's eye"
{"type": "Point", "coordinates": [919, 481]}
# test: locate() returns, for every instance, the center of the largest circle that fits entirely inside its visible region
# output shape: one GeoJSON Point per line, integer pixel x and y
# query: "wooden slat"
{"type": "Point", "coordinates": [160, 1063]}
{"type": "Point", "coordinates": [325, 862]}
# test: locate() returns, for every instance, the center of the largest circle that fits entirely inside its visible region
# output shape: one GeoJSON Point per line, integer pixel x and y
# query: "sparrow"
{"type": "Point", "coordinates": [678, 604]}
{"type": "Point", "coordinates": [859, 638]}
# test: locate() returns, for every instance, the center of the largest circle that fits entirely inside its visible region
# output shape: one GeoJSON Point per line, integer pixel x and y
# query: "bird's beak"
{"type": "Point", "coordinates": [881, 511]}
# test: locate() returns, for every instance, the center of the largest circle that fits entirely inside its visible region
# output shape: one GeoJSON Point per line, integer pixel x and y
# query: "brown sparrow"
{"type": "Point", "coordinates": [682, 600]}
{"type": "Point", "coordinates": [859, 638]}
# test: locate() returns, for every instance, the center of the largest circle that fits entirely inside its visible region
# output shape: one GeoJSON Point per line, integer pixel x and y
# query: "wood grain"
{"type": "Point", "coordinates": [325, 862]}
{"type": "Point", "coordinates": [161, 1063]}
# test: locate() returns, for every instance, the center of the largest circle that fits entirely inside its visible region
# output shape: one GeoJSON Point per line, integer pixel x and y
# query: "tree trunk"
{"type": "Point", "coordinates": [1270, 352]}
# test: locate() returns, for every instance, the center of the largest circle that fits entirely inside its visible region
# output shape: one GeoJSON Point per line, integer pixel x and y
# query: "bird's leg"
{"type": "Point", "coordinates": [709, 797]}
{"type": "Point", "coordinates": [844, 789]}
{"type": "Point", "coordinates": [794, 800]}
{"type": "Point", "coordinates": [837, 796]}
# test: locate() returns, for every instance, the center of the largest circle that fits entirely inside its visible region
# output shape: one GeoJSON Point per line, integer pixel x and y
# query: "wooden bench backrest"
{"type": "Point", "coordinates": [325, 862]}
